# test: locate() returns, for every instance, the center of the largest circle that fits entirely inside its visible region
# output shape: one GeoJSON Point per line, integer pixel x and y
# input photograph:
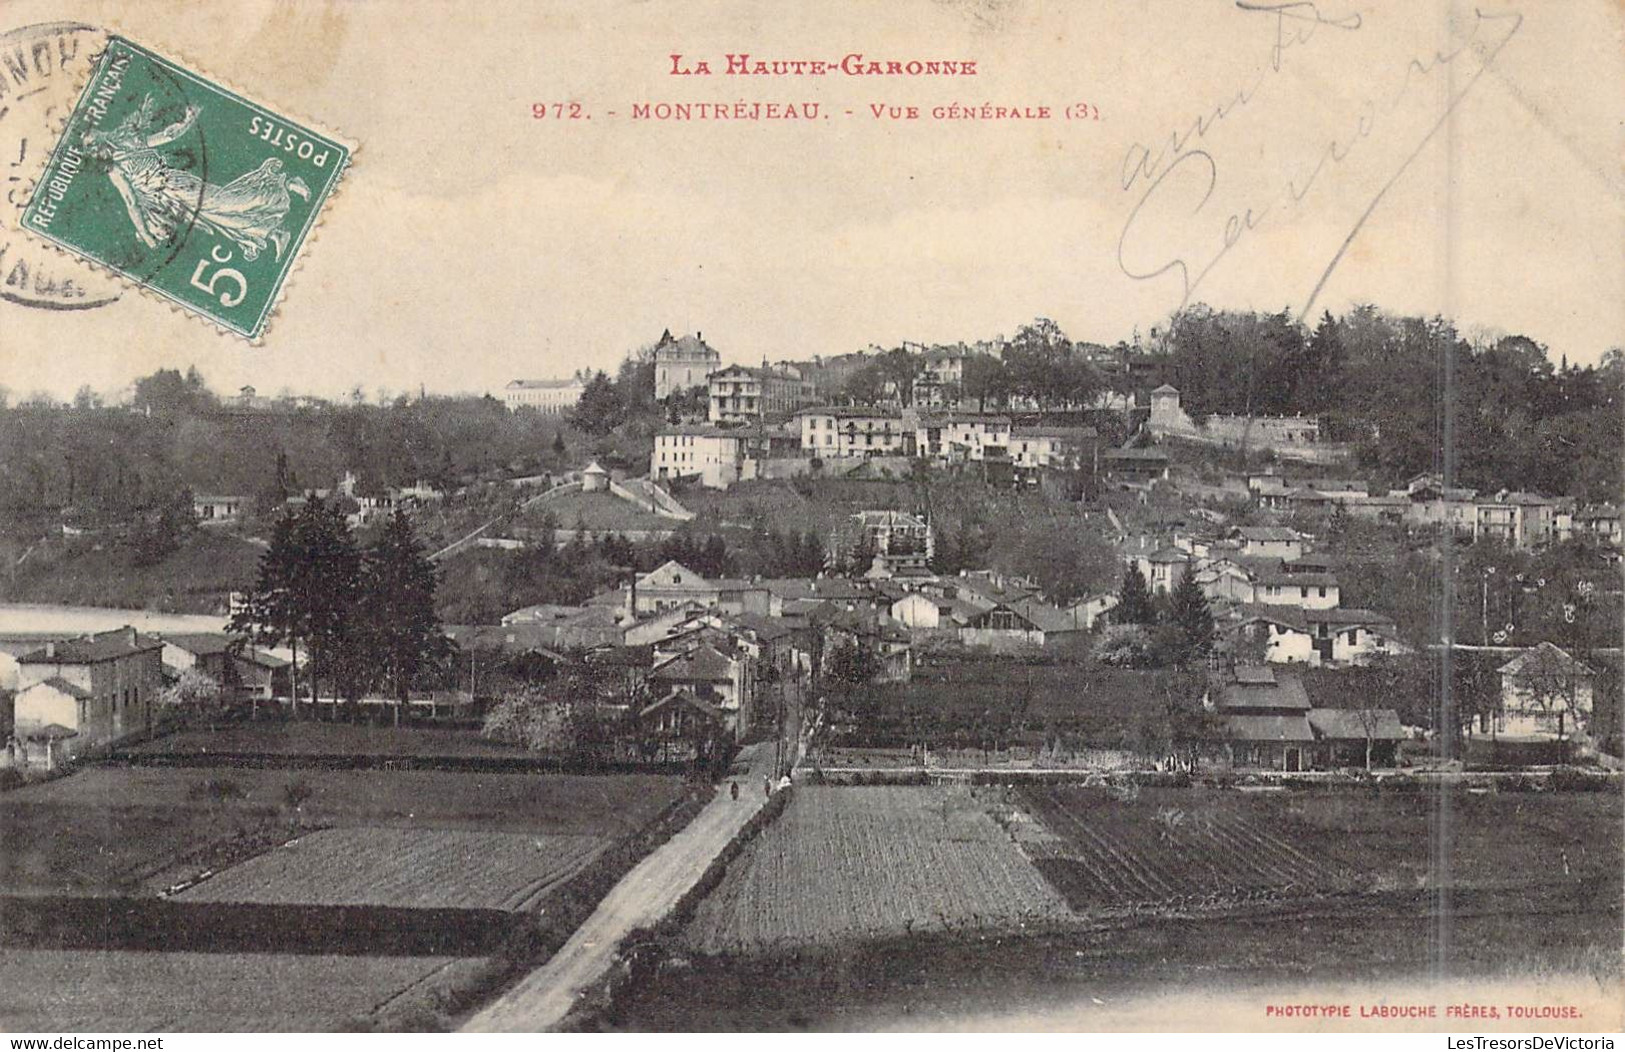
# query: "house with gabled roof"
{"type": "Point", "coordinates": [1269, 542]}
{"type": "Point", "coordinates": [1278, 634]}
{"type": "Point", "coordinates": [1367, 737]}
{"type": "Point", "coordinates": [1018, 624]}
{"type": "Point", "coordinates": [678, 724]}
{"type": "Point", "coordinates": [1263, 718]}
{"type": "Point", "coordinates": [673, 585]}
{"type": "Point", "coordinates": [243, 671]}
{"type": "Point", "coordinates": [1546, 695]}
{"type": "Point", "coordinates": [716, 678]}
{"type": "Point", "coordinates": [1351, 636]}
{"type": "Point", "coordinates": [98, 689]}
{"type": "Point", "coordinates": [1163, 568]}
{"type": "Point", "coordinates": [1225, 580]}
{"type": "Point", "coordinates": [1088, 611]}
{"type": "Point", "coordinates": [1306, 591]}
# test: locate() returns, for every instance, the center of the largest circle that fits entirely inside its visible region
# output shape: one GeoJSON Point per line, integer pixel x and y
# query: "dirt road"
{"type": "Point", "coordinates": [642, 897]}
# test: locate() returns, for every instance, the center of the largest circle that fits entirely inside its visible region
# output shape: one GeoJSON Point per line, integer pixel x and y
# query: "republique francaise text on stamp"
{"type": "Point", "coordinates": [184, 187]}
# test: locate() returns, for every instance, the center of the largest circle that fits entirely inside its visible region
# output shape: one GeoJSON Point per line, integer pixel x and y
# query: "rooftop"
{"type": "Point", "coordinates": [702, 663]}
{"type": "Point", "coordinates": [1283, 691]}
{"type": "Point", "coordinates": [1357, 724]}
{"type": "Point", "coordinates": [88, 650]}
{"type": "Point", "coordinates": [1268, 729]}
{"type": "Point", "coordinates": [1268, 533]}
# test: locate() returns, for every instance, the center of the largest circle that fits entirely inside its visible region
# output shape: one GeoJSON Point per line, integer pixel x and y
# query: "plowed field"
{"type": "Point", "coordinates": [451, 868]}
{"type": "Point", "coordinates": [853, 863]}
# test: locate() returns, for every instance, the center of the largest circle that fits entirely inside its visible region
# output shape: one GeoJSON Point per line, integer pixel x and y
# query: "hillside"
{"type": "Point", "coordinates": [198, 577]}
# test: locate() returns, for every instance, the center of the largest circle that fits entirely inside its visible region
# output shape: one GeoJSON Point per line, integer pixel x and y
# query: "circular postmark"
{"type": "Point", "coordinates": [42, 67]}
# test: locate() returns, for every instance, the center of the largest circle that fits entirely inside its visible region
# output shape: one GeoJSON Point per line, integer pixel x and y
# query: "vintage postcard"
{"type": "Point", "coordinates": [947, 516]}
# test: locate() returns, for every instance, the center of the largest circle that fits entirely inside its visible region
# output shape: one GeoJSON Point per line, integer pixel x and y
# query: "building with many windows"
{"type": "Point", "coordinates": [80, 694]}
{"type": "Point", "coordinates": [711, 453]}
{"type": "Point", "coordinates": [855, 431]}
{"type": "Point", "coordinates": [740, 394]}
{"type": "Point", "coordinates": [543, 396]}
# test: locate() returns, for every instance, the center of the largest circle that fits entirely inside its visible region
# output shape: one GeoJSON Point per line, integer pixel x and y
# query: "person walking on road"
{"type": "Point", "coordinates": [733, 788]}
{"type": "Point", "coordinates": [767, 786]}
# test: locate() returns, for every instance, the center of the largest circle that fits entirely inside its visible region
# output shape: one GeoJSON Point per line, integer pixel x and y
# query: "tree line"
{"type": "Point", "coordinates": [363, 617]}
{"type": "Point", "coordinates": [1038, 367]}
{"type": "Point", "coordinates": [102, 464]}
{"type": "Point", "coordinates": [1397, 387]}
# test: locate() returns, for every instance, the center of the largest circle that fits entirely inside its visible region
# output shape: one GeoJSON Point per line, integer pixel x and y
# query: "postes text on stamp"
{"type": "Point", "coordinates": [184, 187]}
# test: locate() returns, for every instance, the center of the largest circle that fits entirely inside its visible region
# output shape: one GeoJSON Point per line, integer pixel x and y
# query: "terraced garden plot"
{"type": "Point", "coordinates": [1111, 852]}
{"type": "Point", "coordinates": [449, 868]}
{"type": "Point", "coordinates": [858, 863]}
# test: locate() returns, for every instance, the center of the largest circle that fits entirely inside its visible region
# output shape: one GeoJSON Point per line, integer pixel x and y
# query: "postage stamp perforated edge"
{"type": "Point", "coordinates": [311, 232]}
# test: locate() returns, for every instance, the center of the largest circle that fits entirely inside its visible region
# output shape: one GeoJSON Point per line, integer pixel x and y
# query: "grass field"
{"type": "Point", "coordinates": [451, 868]}
{"type": "Point", "coordinates": [304, 738]}
{"type": "Point", "coordinates": [593, 511]}
{"type": "Point", "coordinates": [844, 863]}
{"type": "Point", "coordinates": [53, 849]}
{"type": "Point", "coordinates": [129, 830]}
{"type": "Point", "coordinates": [125, 991]}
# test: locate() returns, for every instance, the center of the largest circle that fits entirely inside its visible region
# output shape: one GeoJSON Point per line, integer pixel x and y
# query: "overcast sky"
{"type": "Point", "coordinates": [472, 244]}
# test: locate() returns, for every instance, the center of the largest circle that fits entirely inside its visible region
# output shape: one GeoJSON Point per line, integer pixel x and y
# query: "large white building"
{"type": "Point", "coordinates": [544, 396]}
{"type": "Point", "coordinates": [711, 453]}
{"type": "Point", "coordinates": [855, 431]}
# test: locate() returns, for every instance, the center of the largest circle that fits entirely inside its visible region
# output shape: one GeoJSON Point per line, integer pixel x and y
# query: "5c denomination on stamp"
{"type": "Point", "coordinates": [184, 187]}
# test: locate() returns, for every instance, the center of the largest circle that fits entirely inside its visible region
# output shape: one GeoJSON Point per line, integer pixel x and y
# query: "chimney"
{"type": "Point", "coordinates": [129, 636]}
{"type": "Point", "coordinates": [50, 648]}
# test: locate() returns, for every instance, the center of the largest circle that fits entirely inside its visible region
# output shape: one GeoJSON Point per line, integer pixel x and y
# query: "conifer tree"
{"type": "Point", "coordinates": [1188, 609]}
{"type": "Point", "coordinates": [401, 629]}
{"type": "Point", "coordinates": [1134, 600]}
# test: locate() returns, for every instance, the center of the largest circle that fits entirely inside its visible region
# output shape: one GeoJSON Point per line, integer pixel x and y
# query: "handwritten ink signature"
{"type": "Point", "coordinates": [1198, 171]}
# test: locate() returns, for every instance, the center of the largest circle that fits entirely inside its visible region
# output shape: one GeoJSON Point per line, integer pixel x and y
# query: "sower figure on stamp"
{"type": "Point", "coordinates": [160, 199]}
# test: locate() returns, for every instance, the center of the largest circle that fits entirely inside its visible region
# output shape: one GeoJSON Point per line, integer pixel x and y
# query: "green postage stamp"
{"type": "Point", "coordinates": [184, 187]}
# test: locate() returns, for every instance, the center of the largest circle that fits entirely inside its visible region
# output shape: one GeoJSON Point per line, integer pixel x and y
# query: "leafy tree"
{"type": "Point", "coordinates": [850, 666]}
{"type": "Point", "coordinates": [600, 408]}
{"type": "Point", "coordinates": [402, 632]}
{"type": "Point", "coordinates": [194, 693]}
{"type": "Point", "coordinates": [1134, 600]}
{"type": "Point", "coordinates": [986, 380]}
{"type": "Point", "coordinates": [1124, 646]}
{"type": "Point", "coordinates": [866, 385]}
{"type": "Point", "coordinates": [1063, 561]}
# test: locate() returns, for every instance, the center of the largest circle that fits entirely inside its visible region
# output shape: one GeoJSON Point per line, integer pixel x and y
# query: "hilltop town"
{"type": "Point", "coordinates": [1057, 607]}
